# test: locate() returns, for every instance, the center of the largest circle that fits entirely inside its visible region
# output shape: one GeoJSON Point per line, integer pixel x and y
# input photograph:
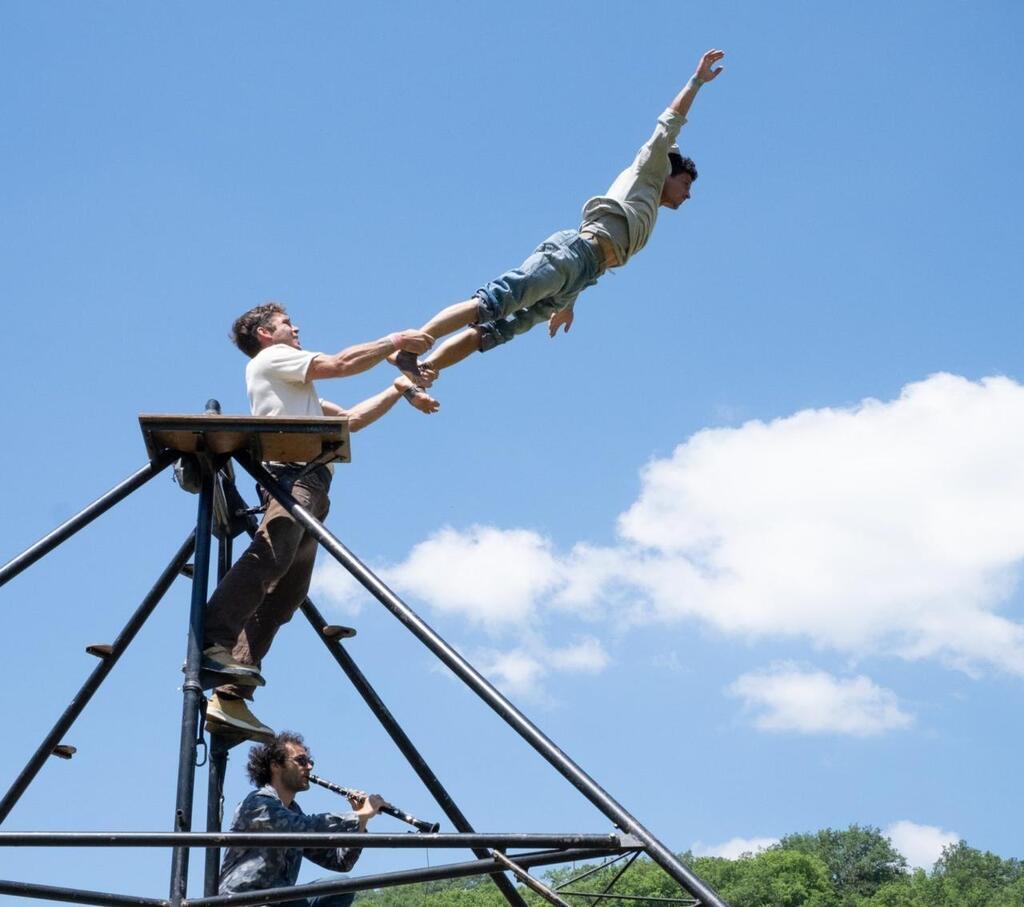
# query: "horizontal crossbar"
{"type": "Point", "coordinates": [390, 879]}
{"type": "Point", "coordinates": [277, 895]}
{"type": "Point", "coordinates": [311, 839]}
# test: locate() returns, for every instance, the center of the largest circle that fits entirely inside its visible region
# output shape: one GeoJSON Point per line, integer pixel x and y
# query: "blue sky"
{"type": "Point", "coordinates": [746, 542]}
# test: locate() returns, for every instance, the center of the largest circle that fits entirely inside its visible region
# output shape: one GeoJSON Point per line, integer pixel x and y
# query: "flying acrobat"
{"type": "Point", "coordinates": [614, 228]}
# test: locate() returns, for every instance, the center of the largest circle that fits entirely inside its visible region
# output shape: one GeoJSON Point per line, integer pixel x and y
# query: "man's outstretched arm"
{"type": "Point", "coordinates": [706, 71]}
{"type": "Point", "coordinates": [371, 409]}
{"type": "Point", "coordinates": [355, 359]}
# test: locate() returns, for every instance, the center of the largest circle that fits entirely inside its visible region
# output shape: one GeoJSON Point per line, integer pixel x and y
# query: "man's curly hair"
{"type": "Point", "coordinates": [682, 164]}
{"type": "Point", "coordinates": [243, 331]}
{"type": "Point", "coordinates": [262, 756]}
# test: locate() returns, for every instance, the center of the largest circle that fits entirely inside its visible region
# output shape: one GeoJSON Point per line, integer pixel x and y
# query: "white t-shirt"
{"type": "Point", "coordinates": [275, 379]}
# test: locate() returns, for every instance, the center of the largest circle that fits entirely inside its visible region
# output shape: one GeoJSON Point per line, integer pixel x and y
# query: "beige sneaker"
{"type": "Point", "coordinates": [218, 660]}
{"type": "Point", "coordinates": [232, 716]}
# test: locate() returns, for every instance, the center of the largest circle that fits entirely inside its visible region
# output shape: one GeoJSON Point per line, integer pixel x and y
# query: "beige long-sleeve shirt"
{"type": "Point", "coordinates": [626, 214]}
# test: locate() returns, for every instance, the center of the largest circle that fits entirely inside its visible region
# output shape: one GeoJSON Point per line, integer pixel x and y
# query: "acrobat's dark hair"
{"type": "Point", "coordinates": [682, 164]}
{"type": "Point", "coordinates": [243, 331]}
{"type": "Point", "coordinates": [262, 756]}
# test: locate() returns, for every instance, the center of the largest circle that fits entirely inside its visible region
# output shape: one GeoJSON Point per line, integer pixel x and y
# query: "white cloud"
{"type": "Point", "coordinates": [516, 672]}
{"type": "Point", "coordinates": [814, 702]}
{"type": "Point", "coordinates": [333, 584]}
{"type": "Point", "coordinates": [733, 848]}
{"type": "Point", "coordinates": [883, 528]}
{"type": "Point", "coordinates": [586, 657]}
{"type": "Point", "coordinates": [920, 844]}
{"type": "Point", "coordinates": [894, 527]}
{"type": "Point", "coordinates": [522, 672]}
{"type": "Point", "coordinates": [493, 577]}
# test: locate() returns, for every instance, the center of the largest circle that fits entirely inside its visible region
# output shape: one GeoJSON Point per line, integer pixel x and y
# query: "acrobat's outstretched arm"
{"type": "Point", "coordinates": [706, 71]}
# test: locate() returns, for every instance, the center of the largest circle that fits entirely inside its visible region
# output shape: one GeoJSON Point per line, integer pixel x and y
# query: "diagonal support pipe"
{"type": "Point", "coordinates": [535, 885]}
{"type": "Point", "coordinates": [84, 517]}
{"type": "Point", "coordinates": [97, 677]}
{"type": "Point", "coordinates": [77, 895]}
{"type": "Point", "coordinates": [235, 504]}
{"type": "Point", "coordinates": [586, 785]}
{"type": "Point", "coordinates": [405, 745]}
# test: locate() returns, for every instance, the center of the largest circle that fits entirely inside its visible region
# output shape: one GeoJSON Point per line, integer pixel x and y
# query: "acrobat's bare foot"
{"type": "Point", "coordinates": [408, 365]}
{"type": "Point", "coordinates": [421, 399]}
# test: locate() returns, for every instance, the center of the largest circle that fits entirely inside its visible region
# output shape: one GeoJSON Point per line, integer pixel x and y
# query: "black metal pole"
{"type": "Point", "coordinates": [318, 839]}
{"type": "Point", "coordinates": [405, 745]}
{"type": "Point", "coordinates": [97, 677]}
{"type": "Point", "coordinates": [192, 691]}
{"type": "Point", "coordinates": [218, 750]}
{"type": "Point", "coordinates": [390, 879]}
{"type": "Point", "coordinates": [484, 689]}
{"type": "Point", "coordinates": [84, 517]}
{"type": "Point", "coordinates": [215, 809]}
{"type": "Point", "coordinates": [76, 895]}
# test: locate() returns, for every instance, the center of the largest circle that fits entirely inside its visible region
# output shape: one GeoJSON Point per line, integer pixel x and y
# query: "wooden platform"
{"type": "Point", "coordinates": [278, 439]}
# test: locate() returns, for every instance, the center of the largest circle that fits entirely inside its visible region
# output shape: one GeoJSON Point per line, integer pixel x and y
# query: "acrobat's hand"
{"type": "Point", "coordinates": [706, 70]}
{"type": "Point", "coordinates": [562, 319]}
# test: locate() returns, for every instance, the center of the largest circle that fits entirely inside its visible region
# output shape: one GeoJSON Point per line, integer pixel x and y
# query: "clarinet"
{"type": "Point", "coordinates": [429, 828]}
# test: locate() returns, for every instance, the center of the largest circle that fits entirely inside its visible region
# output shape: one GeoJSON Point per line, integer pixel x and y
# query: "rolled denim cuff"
{"type": "Point", "coordinates": [490, 336]}
{"type": "Point", "coordinates": [488, 308]}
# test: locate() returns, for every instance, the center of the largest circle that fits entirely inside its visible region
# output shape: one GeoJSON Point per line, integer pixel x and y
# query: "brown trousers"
{"type": "Point", "coordinates": [268, 582]}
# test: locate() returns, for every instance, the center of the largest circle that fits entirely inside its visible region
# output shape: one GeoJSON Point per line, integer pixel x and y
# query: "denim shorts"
{"type": "Point", "coordinates": [557, 271]}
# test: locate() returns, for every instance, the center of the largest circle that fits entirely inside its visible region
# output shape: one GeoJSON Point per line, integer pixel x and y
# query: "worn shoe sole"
{"type": "Point", "coordinates": [245, 677]}
{"type": "Point", "coordinates": [234, 733]}
{"type": "Point", "coordinates": [210, 678]}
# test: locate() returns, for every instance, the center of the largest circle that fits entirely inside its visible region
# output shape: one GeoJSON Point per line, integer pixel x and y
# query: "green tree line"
{"type": "Point", "coordinates": [855, 867]}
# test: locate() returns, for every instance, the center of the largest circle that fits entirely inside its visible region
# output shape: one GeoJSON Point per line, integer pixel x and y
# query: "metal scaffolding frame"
{"type": "Point", "coordinates": [207, 444]}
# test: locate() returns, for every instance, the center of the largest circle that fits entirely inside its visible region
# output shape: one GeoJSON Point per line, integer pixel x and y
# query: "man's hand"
{"type": "Point", "coordinates": [706, 72]}
{"type": "Point", "coordinates": [414, 341]}
{"type": "Point", "coordinates": [705, 69]}
{"type": "Point", "coordinates": [560, 319]}
{"type": "Point", "coordinates": [366, 806]}
{"type": "Point", "coordinates": [371, 806]}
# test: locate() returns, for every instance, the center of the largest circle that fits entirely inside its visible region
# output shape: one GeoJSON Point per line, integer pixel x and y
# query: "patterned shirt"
{"type": "Point", "coordinates": [253, 868]}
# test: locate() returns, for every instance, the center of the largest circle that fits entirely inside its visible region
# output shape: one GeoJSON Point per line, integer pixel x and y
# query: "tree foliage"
{"type": "Point", "coordinates": [859, 860]}
{"type": "Point", "coordinates": [780, 878]}
{"type": "Point", "coordinates": [857, 867]}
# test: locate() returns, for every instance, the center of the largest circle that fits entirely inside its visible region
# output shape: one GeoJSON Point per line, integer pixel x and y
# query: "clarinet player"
{"type": "Point", "coordinates": [279, 769]}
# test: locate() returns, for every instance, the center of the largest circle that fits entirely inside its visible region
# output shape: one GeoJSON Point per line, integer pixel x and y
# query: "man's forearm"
{"type": "Point", "coordinates": [684, 99]}
{"type": "Point", "coordinates": [370, 410]}
{"type": "Point", "coordinates": [355, 359]}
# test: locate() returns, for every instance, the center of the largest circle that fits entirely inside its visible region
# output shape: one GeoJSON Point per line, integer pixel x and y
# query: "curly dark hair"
{"type": "Point", "coordinates": [243, 331]}
{"type": "Point", "coordinates": [262, 756]}
{"type": "Point", "coordinates": [682, 164]}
